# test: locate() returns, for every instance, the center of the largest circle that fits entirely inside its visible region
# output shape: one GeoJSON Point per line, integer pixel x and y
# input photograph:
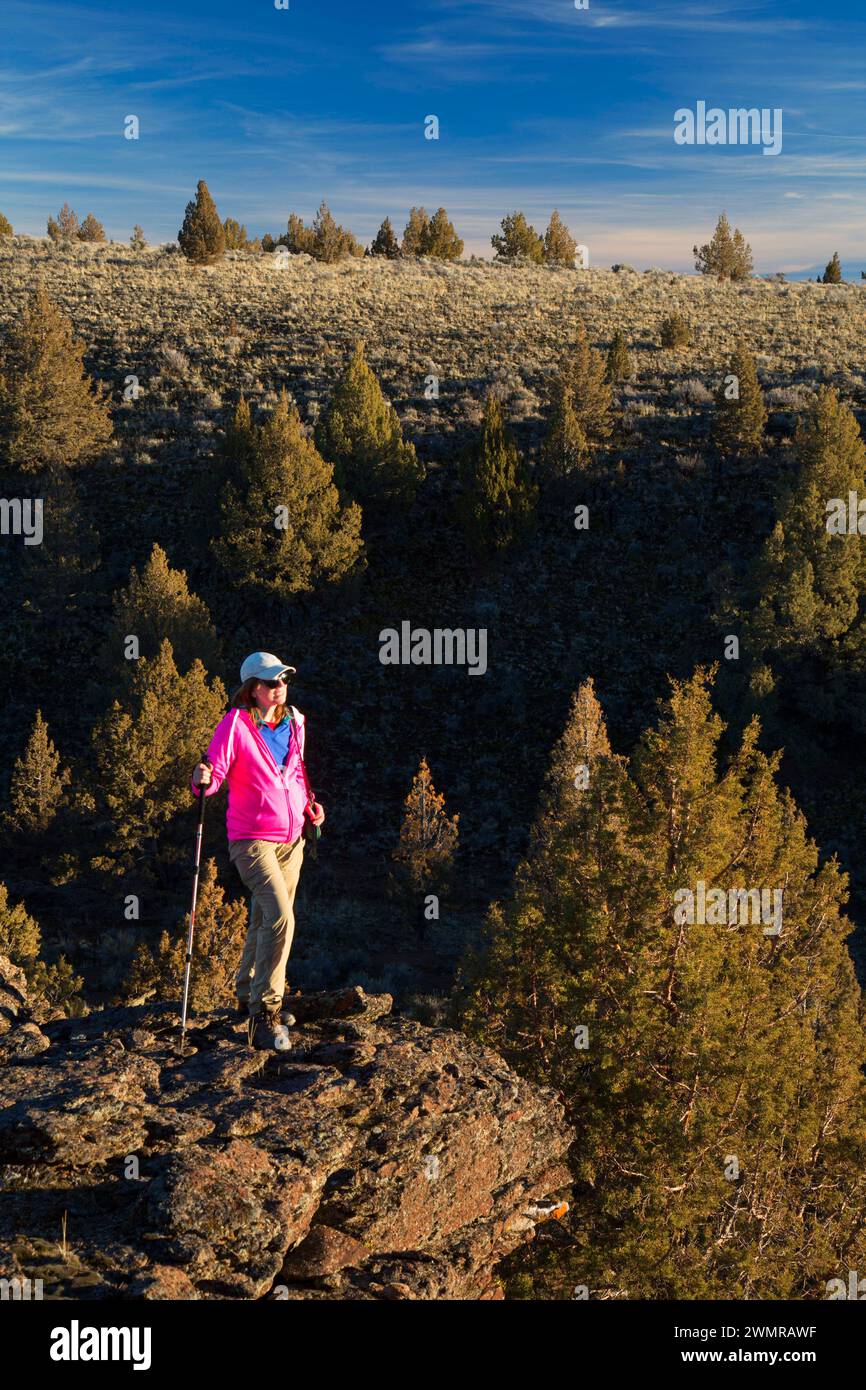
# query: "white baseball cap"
{"type": "Point", "coordinates": [264, 666]}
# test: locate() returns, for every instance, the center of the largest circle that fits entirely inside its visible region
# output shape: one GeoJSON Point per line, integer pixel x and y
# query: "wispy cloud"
{"type": "Point", "coordinates": [541, 106]}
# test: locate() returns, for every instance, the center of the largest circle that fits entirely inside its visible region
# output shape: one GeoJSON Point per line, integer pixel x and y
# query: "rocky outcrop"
{"type": "Point", "coordinates": [377, 1159]}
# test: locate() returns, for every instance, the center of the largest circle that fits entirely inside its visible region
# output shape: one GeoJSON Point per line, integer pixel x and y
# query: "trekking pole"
{"type": "Point", "coordinates": [198, 838]}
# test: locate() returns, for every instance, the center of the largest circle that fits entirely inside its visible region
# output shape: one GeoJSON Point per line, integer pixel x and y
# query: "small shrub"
{"type": "Point", "coordinates": [675, 332]}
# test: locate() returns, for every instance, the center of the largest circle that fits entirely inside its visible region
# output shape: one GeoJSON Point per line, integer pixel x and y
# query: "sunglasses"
{"type": "Point", "coordinates": [280, 680]}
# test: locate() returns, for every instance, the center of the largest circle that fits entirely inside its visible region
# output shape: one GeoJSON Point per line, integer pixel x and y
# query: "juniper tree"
{"type": "Point", "coordinates": [424, 856]}
{"type": "Point", "coordinates": [65, 226]}
{"type": "Point", "coordinates": [50, 413]}
{"type": "Point", "coordinates": [713, 1071]}
{"type": "Point", "coordinates": [741, 415]}
{"type": "Point", "coordinates": [235, 234]}
{"type": "Point", "coordinates": [360, 434]}
{"type": "Point", "coordinates": [142, 751]}
{"type": "Point", "coordinates": [202, 238]}
{"type": "Point", "coordinates": [618, 365]}
{"type": "Point", "coordinates": [565, 447]}
{"type": "Point", "coordinates": [5, 226]}
{"type": "Point", "coordinates": [220, 931]}
{"type": "Point", "coordinates": [584, 370]}
{"type": "Point", "coordinates": [91, 229]}
{"type": "Point", "coordinates": [674, 331]}
{"type": "Point", "coordinates": [518, 240]}
{"type": "Point", "coordinates": [238, 448]}
{"type": "Point", "coordinates": [157, 604]}
{"type": "Point", "coordinates": [297, 237]}
{"type": "Point", "coordinates": [416, 233]}
{"type": "Point", "coordinates": [498, 498]}
{"type": "Point", "coordinates": [385, 242]}
{"type": "Point", "coordinates": [440, 240]}
{"type": "Point", "coordinates": [325, 240]}
{"type": "Point", "coordinates": [327, 236]}
{"type": "Point", "coordinates": [21, 941]}
{"type": "Point", "coordinates": [37, 783]}
{"type": "Point", "coordinates": [810, 579]}
{"type": "Point", "coordinates": [283, 527]}
{"type": "Point", "coordinates": [528, 986]}
{"type": "Point", "coordinates": [742, 256]}
{"type": "Point", "coordinates": [725, 256]}
{"type": "Point", "coordinates": [20, 937]}
{"type": "Point", "coordinates": [138, 241]}
{"type": "Point", "coordinates": [833, 272]}
{"type": "Point", "coordinates": [585, 780]}
{"type": "Point", "coordinates": [560, 247]}
{"type": "Point", "coordinates": [55, 571]}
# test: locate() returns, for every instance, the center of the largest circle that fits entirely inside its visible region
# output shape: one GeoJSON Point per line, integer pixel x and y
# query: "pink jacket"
{"type": "Point", "coordinates": [265, 802]}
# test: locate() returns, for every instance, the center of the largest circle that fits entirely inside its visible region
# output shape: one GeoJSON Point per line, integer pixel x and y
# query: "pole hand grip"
{"type": "Point", "coordinates": [202, 797]}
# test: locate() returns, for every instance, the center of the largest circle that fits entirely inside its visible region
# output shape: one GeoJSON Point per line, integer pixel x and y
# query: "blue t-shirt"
{"type": "Point", "coordinates": [277, 739]}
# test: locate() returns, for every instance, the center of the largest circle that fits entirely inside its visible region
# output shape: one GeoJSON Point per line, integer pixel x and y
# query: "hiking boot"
{"type": "Point", "coordinates": [242, 1010]}
{"type": "Point", "coordinates": [269, 1034]}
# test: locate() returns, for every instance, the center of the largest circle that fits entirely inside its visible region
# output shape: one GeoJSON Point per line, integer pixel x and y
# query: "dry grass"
{"type": "Point", "coordinates": [197, 337]}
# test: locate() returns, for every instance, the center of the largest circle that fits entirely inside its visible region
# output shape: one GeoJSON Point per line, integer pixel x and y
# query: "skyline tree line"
{"type": "Point", "coordinates": [204, 239]}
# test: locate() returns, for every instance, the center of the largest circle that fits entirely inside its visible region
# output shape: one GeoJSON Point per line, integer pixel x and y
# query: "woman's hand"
{"type": "Point", "coordinates": [317, 813]}
{"type": "Point", "coordinates": [201, 775]}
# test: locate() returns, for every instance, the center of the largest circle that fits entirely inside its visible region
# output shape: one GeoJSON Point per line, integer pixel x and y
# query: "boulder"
{"type": "Point", "coordinates": [378, 1159]}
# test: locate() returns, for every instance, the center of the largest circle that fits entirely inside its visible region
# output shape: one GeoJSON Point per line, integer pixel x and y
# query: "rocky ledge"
{"type": "Point", "coordinates": [377, 1159]}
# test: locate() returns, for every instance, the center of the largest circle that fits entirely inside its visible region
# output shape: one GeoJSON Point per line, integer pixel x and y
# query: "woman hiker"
{"type": "Point", "coordinates": [258, 748]}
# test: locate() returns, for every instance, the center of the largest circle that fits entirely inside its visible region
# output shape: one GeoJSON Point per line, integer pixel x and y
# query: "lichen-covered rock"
{"type": "Point", "coordinates": [378, 1159]}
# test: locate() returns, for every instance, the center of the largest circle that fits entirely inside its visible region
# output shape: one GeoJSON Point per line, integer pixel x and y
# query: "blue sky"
{"type": "Point", "coordinates": [540, 106]}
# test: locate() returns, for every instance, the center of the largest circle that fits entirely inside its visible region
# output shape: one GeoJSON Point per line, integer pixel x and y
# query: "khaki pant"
{"type": "Point", "coordinates": [270, 871]}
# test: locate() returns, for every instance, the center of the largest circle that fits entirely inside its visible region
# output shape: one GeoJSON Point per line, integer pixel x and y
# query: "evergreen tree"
{"type": "Point", "coordinates": [498, 497]}
{"type": "Point", "coordinates": [20, 937]}
{"type": "Point", "coordinates": [441, 241]}
{"type": "Point", "coordinates": [428, 840]}
{"type": "Point", "coordinates": [235, 235]}
{"type": "Point", "coordinates": [137, 241]}
{"type": "Point", "coordinates": [91, 230]}
{"type": "Point", "coordinates": [565, 446]}
{"type": "Point", "coordinates": [833, 273]}
{"type": "Point", "coordinates": [518, 241]}
{"type": "Point", "coordinates": [560, 248]}
{"type": "Point", "coordinates": [713, 1071]}
{"type": "Point", "coordinates": [297, 237]}
{"type": "Point", "coordinates": [5, 226]}
{"type": "Point", "coordinates": [674, 331]}
{"type": "Point", "coordinates": [283, 527]}
{"type": "Point", "coordinates": [742, 256]}
{"type": "Point", "coordinates": [416, 234]}
{"type": "Point", "coordinates": [585, 371]}
{"type": "Point", "coordinates": [327, 236]}
{"type": "Point", "coordinates": [330, 242]}
{"type": "Point", "coordinates": [811, 577]}
{"type": "Point", "coordinates": [157, 604]}
{"type": "Point", "coordinates": [740, 411]}
{"type": "Point", "coordinates": [143, 749]}
{"type": "Point", "coordinates": [202, 238]}
{"type": "Point", "coordinates": [65, 226]}
{"type": "Point", "coordinates": [618, 366]}
{"type": "Point", "coordinates": [21, 941]}
{"type": "Point", "coordinates": [268, 243]}
{"type": "Point", "coordinates": [37, 783]}
{"type": "Point", "coordinates": [725, 256]}
{"type": "Point", "coordinates": [385, 242]}
{"type": "Point", "coordinates": [360, 433]}
{"type": "Point", "coordinates": [239, 446]}
{"type": "Point", "coordinates": [54, 573]}
{"type": "Point", "coordinates": [50, 414]}
{"type": "Point", "coordinates": [220, 931]}
{"type": "Point", "coordinates": [583, 800]}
